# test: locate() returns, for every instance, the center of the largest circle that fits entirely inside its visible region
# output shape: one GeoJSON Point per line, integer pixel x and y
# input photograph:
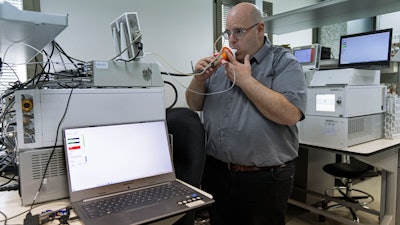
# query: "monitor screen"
{"type": "Point", "coordinates": [364, 50]}
{"type": "Point", "coordinates": [304, 55]}
{"type": "Point", "coordinates": [308, 56]}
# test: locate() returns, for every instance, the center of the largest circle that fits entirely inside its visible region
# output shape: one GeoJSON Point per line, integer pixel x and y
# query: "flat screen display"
{"type": "Point", "coordinates": [366, 49]}
{"type": "Point", "coordinates": [305, 55]}
{"type": "Point", "coordinates": [325, 103]}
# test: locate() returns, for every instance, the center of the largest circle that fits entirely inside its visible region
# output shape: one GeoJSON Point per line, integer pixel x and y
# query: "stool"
{"type": "Point", "coordinates": [346, 172]}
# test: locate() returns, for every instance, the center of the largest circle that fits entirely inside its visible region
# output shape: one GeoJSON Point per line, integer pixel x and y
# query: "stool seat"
{"type": "Point", "coordinates": [345, 170]}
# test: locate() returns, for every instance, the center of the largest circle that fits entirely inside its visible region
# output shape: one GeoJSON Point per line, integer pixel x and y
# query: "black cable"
{"type": "Point", "coordinates": [176, 94]}
{"type": "Point", "coordinates": [38, 75]}
{"type": "Point", "coordinates": [8, 112]}
{"type": "Point", "coordinates": [140, 48]}
{"type": "Point", "coordinates": [12, 69]}
{"type": "Point", "coordinates": [10, 179]}
{"type": "Point", "coordinates": [11, 187]}
{"type": "Point", "coordinates": [174, 74]}
{"type": "Point", "coordinates": [43, 76]}
{"type": "Point", "coordinates": [3, 158]}
{"type": "Point", "coordinates": [13, 178]}
{"type": "Point", "coordinates": [47, 66]}
{"type": "Point", "coordinates": [5, 217]}
{"type": "Point", "coordinates": [8, 159]}
{"type": "Point", "coordinates": [31, 219]}
{"type": "Point", "coordinates": [71, 59]}
{"type": "Point", "coordinates": [45, 70]}
{"type": "Point", "coordinates": [53, 150]}
{"type": "Point", "coordinates": [17, 215]}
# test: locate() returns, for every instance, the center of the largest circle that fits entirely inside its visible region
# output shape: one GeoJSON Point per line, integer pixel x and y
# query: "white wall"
{"type": "Point", "coordinates": [293, 39]}
{"type": "Point", "coordinates": [390, 20]}
{"type": "Point", "coordinates": [280, 6]}
{"type": "Point", "coordinates": [180, 31]}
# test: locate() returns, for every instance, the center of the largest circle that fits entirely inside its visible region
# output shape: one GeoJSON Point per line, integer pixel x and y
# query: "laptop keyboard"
{"type": "Point", "coordinates": [115, 204]}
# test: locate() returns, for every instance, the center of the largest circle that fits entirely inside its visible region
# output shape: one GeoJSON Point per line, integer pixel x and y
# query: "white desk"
{"type": "Point", "coordinates": [10, 205]}
{"type": "Point", "coordinates": [384, 154]}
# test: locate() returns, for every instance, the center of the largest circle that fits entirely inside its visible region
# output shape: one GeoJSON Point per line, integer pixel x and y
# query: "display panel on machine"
{"type": "Point", "coordinates": [304, 55]}
{"type": "Point", "coordinates": [325, 102]}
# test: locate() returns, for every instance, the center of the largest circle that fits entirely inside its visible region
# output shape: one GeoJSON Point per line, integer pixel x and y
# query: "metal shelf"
{"type": "Point", "coordinates": [327, 13]}
{"type": "Point", "coordinates": [25, 32]}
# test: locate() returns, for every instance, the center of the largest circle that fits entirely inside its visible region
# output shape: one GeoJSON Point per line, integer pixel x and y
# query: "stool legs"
{"type": "Point", "coordinates": [346, 194]}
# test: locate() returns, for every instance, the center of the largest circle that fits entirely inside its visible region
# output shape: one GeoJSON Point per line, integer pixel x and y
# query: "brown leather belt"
{"type": "Point", "coordinates": [240, 168]}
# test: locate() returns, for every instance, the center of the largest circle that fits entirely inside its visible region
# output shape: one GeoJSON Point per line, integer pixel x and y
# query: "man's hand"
{"type": "Point", "coordinates": [203, 68]}
{"type": "Point", "coordinates": [238, 72]}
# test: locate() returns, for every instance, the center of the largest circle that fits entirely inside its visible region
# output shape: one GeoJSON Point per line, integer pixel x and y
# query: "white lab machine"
{"type": "Point", "coordinates": [313, 57]}
{"type": "Point", "coordinates": [345, 107]}
{"type": "Point", "coordinates": [39, 116]}
{"type": "Point", "coordinates": [127, 89]}
{"type": "Point", "coordinates": [41, 110]}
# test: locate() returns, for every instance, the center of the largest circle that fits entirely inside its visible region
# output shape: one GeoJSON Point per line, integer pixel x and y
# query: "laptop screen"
{"type": "Point", "coordinates": [110, 154]}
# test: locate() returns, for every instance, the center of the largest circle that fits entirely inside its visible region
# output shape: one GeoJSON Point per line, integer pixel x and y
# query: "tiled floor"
{"type": "Point", "coordinates": [298, 216]}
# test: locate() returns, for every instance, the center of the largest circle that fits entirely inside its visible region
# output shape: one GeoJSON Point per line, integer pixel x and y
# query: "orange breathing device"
{"type": "Point", "coordinates": [223, 56]}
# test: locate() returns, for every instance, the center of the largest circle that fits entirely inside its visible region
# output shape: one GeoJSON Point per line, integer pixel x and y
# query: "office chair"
{"type": "Point", "coordinates": [346, 171]}
{"type": "Point", "coordinates": [188, 144]}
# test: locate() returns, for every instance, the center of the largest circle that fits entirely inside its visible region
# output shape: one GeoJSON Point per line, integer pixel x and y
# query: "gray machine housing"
{"type": "Point", "coordinates": [38, 136]}
{"type": "Point", "coordinates": [346, 101]}
{"type": "Point", "coordinates": [142, 73]}
{"type": "Point", "coordinates": [340, 132]}
{"type": "Point", "coordinates": [32, 165]}
{"type": "Point", "coordinates": [353, 113]}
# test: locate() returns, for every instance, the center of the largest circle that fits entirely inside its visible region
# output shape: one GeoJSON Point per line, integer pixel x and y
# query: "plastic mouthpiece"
{"type": "Point", "coordinates": [223, 56]}
{"type": "Point", "coordinates": [230, 50]}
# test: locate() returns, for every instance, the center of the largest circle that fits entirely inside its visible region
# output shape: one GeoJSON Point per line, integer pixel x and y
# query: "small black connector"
{"type": "Point", "coordinates": [31, 220]}
{"type": "Point", "coordinates": [11, 187]}
{"type": "Point", "coordinates": [139, 45]}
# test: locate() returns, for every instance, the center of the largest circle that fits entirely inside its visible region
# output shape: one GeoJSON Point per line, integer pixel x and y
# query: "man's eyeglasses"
{"type": "Point", "coordinates": [237, 33]}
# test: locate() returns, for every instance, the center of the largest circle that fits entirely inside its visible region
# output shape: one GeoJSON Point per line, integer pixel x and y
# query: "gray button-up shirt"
{"type": "Point", "coordinates": [236, 131]}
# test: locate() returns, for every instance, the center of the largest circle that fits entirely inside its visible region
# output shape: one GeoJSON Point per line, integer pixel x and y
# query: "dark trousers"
{"type": "Point", "coordinates": [248, 198]}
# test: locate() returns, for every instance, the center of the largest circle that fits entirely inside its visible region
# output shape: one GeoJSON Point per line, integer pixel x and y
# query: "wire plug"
{"type": "Point", "coordinates": [139, 45]}
{"type": "Point", "coordinates": [12, 187]}
{"type": "Point", "coordinates": [31, 220]}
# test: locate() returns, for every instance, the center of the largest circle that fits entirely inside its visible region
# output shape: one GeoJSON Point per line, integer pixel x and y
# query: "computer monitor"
{"type": "Point", "coordinates": [308, 56]}
{"type": "Point", "coordinates": [365, 50]}
{"type": "Point", "coordinates": [127, 36]}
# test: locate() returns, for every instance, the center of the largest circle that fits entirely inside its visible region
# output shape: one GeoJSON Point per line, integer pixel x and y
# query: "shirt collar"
{"type": "Point", "coordinates": [260, 54]}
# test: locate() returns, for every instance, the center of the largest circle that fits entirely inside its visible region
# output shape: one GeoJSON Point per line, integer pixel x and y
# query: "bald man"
{"type": "Point", "coordinates": [251, 106]}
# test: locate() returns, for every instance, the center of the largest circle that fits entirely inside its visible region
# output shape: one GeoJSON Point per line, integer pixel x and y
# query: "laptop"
{"type": "Point", "coordinates": [106, 162]}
